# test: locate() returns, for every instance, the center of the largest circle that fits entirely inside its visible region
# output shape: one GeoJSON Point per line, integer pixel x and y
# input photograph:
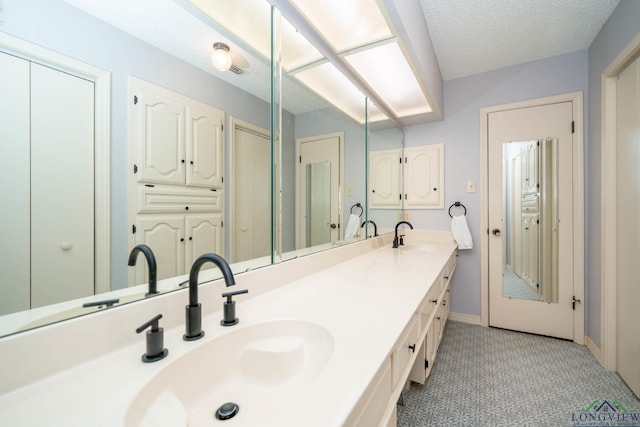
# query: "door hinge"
{"type": "Point", "coordinates": [133, 229]}
{"type": "Point", "coordinates": [222, 128]}
{"type": "Point", "coordinates": [405, 196]}
{"type": "Point", "coordinates": [299, 159]}
{"type": "Point", "coordinates": [400, 196]}
{"type": "Point", "coordinates": [400, 160]}
{"type": "Point", "coordinates": [537, 221]}
{"type": "Point", "coordinates": [574, 300]}
{"type": "Point", "coordinates": [222, 179]}
{"type": "Point", "coordinates": [135, 99]}
{"type": "Point", "coordinates": [221, 223]}
{"type": "Point", "coordinates": [426, 363]}
{"type": "Point", "coordinates": [573, 126]}
{"type": "Point", "coordinates": [135, 168]}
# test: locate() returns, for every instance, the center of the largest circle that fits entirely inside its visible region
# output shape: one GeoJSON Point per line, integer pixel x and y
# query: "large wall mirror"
{"type": "Point", "coordinates": [167, 45]}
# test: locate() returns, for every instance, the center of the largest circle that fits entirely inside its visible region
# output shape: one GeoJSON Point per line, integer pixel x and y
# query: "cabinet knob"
{"type": "Point", "coordinates": [66, 245]}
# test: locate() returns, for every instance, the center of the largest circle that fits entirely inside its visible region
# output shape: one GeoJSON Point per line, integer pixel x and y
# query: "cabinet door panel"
{"type": "Point", "coordinates": [205, 154]}
{"type": "Point", "coordinates": [165, 237]}
{"type": "Point", "coordinates": [384, 180]}
{"type": "Point", "coordinates": [423, 177]}
{"type": "Point", "coordinates": [203, 235]}
{"type": "Point", "coordinates": [160, 138]}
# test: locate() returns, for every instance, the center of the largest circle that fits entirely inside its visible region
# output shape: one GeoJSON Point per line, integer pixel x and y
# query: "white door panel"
{"type": "Point", "coordinates": [526, 124]}
{"type": "Point", "coordinates": [205, 149]}
{"type": "Point", "coordinates": [62, 210]}
{"type": "Point", "coordinates": [628, 224]}
{"type": "Point", "coordinates": [14, 184]}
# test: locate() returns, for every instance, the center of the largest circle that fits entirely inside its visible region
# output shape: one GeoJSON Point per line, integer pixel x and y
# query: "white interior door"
{"type": "Point", "coordinates": [628, 224]}
{"type": "Point", "coordinates": [14, 184]}
{"type": "Point", "coordinates": [250, 217]}
{"type": "Point", "coordinates": [62, 201]}
{"type": "Point", "coordinates": [531, 315]}
{"type": "Point", "coordinates": [322, 149]}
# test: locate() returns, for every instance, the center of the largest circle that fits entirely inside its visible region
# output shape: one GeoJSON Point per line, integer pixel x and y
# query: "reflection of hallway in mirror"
{"type": "Point", "coordinates": [514, 287]}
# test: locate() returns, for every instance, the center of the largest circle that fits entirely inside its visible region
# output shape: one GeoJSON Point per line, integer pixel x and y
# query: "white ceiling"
{"type": "Point", "coordinates": [474, 36]}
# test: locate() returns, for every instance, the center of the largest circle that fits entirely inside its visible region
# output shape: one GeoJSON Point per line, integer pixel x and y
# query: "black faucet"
{"type": "Point", "coordinates": [397, 242]}
{"type": "Point", "coordinates": [375, 227]}
{"type": "Point", "coordinates": [193, 321]}
{"type": "Point", "coordinates": [151, 261]}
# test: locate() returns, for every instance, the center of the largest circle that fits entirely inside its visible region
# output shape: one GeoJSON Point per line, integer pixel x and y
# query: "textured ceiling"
{"type": "Point", "coordinates": [474, 36]}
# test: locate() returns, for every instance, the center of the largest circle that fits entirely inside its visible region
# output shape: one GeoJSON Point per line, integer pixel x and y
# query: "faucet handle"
{"type": "Point", "coordinates": [155, 340]}
{"type": "Point", "coordinates": [229, 308]}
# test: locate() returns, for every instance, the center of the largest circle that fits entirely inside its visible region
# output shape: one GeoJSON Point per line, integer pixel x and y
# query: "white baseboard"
{"type": "Point", "coordinates": [593, 349]}
{"type": "Point", "coordinates": [465, 318]}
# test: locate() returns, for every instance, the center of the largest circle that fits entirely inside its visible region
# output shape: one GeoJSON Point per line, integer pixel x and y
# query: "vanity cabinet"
{"type": "Point", "coordinates": [176, 197]}
{"type": "Point", "coordinates": [412, 356]}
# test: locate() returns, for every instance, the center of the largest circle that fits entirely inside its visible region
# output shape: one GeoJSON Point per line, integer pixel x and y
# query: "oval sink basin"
{"type": "Point", "coordinates": [261, 368]}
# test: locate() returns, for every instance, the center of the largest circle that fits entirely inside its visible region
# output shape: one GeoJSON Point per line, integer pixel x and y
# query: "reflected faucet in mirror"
{"type": "Point", "coordinates": [151, 261]}
{"type": "Point", "coordinates": [375, 227]}
{"type": "Point", "coordinates": [193, 320]}
{"type": "Point", "coordinates": [399, 241]}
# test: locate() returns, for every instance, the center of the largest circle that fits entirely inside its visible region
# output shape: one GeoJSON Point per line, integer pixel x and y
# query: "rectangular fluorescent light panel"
{"type": "Point", "coordinates": [387, 72]}
{"type": "Point", "coordinates": [346, 24]}
{"type": "Point", "coordinates": [333, 86]}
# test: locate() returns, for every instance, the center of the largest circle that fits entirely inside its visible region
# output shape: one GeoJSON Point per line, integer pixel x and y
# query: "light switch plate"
{"type": "Point", "coordinates": [471, 186]}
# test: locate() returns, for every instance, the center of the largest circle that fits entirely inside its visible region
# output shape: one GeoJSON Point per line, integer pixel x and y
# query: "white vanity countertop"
{"type": "Point", "coordinates": [365, 303]}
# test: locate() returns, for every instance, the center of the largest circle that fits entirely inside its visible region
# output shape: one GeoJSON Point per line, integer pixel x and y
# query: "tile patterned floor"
{"type": "Point", "coordinates": [494, 377]}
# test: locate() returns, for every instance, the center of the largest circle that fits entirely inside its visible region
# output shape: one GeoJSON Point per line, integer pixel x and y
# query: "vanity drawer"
{"type": "Point", "coordinates": [166, 199]}
{"type": "Point", "coordinates": [427, 308]}
{"type": "Point", "coordinates": [403, 351]}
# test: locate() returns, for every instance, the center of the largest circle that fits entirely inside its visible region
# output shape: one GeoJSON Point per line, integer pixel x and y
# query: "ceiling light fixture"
{"type": "Point", "coordinates": [220, 58]}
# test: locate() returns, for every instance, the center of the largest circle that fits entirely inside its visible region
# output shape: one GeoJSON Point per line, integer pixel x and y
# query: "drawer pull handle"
{"type": "Point", "coordinates": [435, 301]}
{"type": "Point", "coordinates": [413, 348]}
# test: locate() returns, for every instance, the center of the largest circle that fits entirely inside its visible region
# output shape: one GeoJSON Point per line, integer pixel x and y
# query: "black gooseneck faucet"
{"type": "Point", "coordinates": [193, 321]}
{"type": "Point", "coordinates": [375, 227]}
{"type": "Point", "coordinates": [151, 261]}
{"type": "Point", "coordinates": [397, 242]}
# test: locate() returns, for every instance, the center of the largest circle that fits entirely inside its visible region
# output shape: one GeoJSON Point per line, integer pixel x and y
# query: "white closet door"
{"type": "Point", "coordinates": [14, 184]}
{"type": "Point", "coordinates": [62, 207]}
{"type": "Point", "coordinates": [628, 224]}
{"type": "Point", "coordinates": [251, 189]}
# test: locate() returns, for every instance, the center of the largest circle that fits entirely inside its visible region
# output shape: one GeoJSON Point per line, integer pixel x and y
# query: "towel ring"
{"type": "Point", "coordinates": [357, 205]}
{"type": "Point", "coordinates": [457, 204]}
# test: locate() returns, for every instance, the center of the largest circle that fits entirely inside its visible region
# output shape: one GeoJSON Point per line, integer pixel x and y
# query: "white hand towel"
{"type": "Point", "coordinates": [461, 232]}
{"type": "Point", "coordinates": [352, 227]}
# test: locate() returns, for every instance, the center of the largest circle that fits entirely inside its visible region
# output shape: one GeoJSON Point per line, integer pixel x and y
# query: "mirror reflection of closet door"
{"type": "Point", "coordinates": [531, 219]}
{"type": "Point", "coordinates": [250, 217]}
{"type": "Point", "coordinates": [52, 208]}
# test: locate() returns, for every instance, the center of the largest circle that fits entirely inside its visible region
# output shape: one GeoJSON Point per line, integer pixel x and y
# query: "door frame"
{"type": "Point", "coordinates": [102, 143]}
{"type": "Point", "coordinates": [578, 203]}
{"type": "Point", "coordinates": [608, 228]}
{"type": "Point", "coordinates": [299, 203]}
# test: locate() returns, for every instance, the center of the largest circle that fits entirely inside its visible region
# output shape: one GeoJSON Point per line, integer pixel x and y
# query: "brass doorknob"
{"type": "Point", "coordinates": [496, 231]}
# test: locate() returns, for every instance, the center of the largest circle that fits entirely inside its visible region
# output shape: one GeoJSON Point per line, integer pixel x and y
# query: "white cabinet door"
{"type": "Point", "coordinates": [384, 179]}
{"type": "Point", "coordinates": [203, 234]}
{"type": "Point", "coordinates": [424, 177]}
{"type": "Point", "coordinates": [159, 137]}
{"type": "Point", "coordinates": [15, 244]}
{"type": "Point", "coordinates": [205, 143]}
{"type": "Point", "coordinates": [165, 236]}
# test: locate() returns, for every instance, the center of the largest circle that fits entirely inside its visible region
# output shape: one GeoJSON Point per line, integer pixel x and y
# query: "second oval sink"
{"type": "Point", "coordinates": [260, 367]}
